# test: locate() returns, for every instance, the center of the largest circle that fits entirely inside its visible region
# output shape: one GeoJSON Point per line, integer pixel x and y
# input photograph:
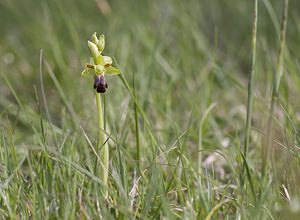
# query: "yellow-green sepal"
{"type": "Point", "coordinates": [88, 72]}
{"type": "Point", "coordinates": [111, 70]}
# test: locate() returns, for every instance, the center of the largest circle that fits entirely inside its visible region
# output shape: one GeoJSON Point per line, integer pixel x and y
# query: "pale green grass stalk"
{"type": "Point", "coordinates": [103, 146]}
{"type": "Point", "coordinates": [251, 81]}
{"type": "Point", "coordinates": [137, 135]}
{"type": "Point", "coordinates": [200, 136]}
{"type": "Point", "coordinates": [276, 83]}
{"type": "Point", "coordinates": [214, 209]}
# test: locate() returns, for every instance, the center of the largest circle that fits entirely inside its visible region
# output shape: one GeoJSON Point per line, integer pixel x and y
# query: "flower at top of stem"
{"type": "Point", "coordinates": [99, 64]}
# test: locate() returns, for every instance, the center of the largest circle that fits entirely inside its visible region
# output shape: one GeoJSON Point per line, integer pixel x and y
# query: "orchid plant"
{"type": "Point", "coordinates": [98, 67]}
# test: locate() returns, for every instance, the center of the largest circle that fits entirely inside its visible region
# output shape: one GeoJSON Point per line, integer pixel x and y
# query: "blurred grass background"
{"type": "Point", "coordinates": [184, 56]}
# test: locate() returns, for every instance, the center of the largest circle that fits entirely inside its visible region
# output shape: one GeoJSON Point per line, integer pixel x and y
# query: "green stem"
{"type": "Point", "coordinates": [214, 209]}
{"type": "Point", "coordinates": [276, 82]}
{"type": "Point", "coordinates": [103, 147]}
{"type": "Point", "coordinates": [200, 136]}
{"type": "Point", "coordinates": [251, 82]}
{"type": "Point", "coordinates": [137, 136]}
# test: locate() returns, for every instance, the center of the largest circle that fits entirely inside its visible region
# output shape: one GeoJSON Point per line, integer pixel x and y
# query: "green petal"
{"type": "Point", "coordinates": [107, 60]}
{"type": "Point", "coordinates": [112, 70]}
{"type": "Point", "coordinates": [87, 72]}
{"type": "Point", "coordinates": [99, 60]}
{"type": "Point", "coordinates": [91, 61]}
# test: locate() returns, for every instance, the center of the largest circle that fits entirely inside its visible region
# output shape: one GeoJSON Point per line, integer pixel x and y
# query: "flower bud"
{"type": "Point", "coordinates": [93, 48]}
{"type": "Point", "coordinates": [94, 38]}
{"type": "Point", "coordinates": [101, 43]}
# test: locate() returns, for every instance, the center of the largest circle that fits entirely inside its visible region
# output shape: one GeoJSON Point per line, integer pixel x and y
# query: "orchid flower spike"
{"type": "Point", "coordinates": [99, 65]}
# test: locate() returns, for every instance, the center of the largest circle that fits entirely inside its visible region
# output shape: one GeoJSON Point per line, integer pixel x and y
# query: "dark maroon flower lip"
{"type": "Point", "coordinates": [100, 84]}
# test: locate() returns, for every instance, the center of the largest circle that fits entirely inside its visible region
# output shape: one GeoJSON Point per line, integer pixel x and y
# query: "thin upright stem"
{"type": "Point", "coordinates": [200, 136]}
{"type": "Point", "coordinates": [276, 82]}
{"type": "Point", "coordinates": [251, 81]}
{"type": "Point", "coordinates": [102, 147]}
{"type": "Point", "coordinates": [137, 136]}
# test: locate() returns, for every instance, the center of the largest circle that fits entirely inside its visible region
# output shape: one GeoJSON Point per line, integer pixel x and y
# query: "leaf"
{"type": "Point", "coordinates": [112, 70]}
{"type": "Point", "coordinates": [87, 72]}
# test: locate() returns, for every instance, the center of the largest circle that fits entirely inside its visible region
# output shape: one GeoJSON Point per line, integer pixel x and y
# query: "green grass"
{"type": "Point", "coordinates": [175, 118]}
